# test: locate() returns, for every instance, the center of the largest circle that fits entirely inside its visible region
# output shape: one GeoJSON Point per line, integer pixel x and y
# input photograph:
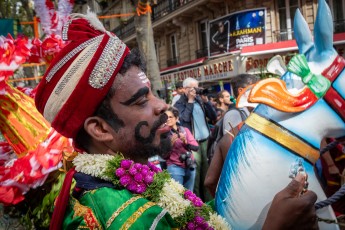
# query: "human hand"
{"type": "Point", "coordinates": [173, 138]}
{"type": "Point", "coordinates": [183, 138]}
{"type": "Point", "coordinates": [291, 210]}
{"type": "Point", "coordinates": [191, 94]}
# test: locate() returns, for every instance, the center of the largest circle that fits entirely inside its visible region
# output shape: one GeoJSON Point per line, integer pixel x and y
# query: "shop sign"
{"type": "Point", "coordinates": [215, 70]}
{"type": "Point", "coordinates": [260, 62]}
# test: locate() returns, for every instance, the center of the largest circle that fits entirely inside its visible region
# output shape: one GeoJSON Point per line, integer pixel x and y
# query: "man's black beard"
{"type": "Point", "coordinates": [146, 149]}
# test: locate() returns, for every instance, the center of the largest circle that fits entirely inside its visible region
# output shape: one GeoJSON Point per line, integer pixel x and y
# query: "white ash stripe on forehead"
{"type": "Point", "coordinates": [143, 77]}
{"type": "Point", "coordinates": [63, 91]}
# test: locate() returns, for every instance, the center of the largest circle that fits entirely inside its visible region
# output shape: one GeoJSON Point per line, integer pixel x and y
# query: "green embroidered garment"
{"type": "Point", "coordinates": [108, 208]}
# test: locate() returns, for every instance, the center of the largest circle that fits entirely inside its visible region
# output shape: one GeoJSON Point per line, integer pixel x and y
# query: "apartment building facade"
{"type": "Point", "coordinates": [190, 41]}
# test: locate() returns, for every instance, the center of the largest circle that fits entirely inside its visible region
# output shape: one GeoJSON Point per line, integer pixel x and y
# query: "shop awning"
{"type": "Point", "coordinates": [268, 48]}
{"type": "Point", "coordinates": [187, 64]}
{"type": "Point", "coordinates": [283, 46]}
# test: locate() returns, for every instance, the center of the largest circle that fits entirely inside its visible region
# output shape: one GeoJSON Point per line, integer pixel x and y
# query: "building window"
{"type": "Point", "coordinates": [173, 51]}
{"type": "Point", "coordinates": [337, 8]}
{"type": "Point", "coordinates": [286, 10]}
{"type": "Point", "coordinates": [203, 36]}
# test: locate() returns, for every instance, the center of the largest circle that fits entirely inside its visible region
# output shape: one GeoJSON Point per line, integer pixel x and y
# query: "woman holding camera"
{"type": "Point", "coordinates": [180, 162]}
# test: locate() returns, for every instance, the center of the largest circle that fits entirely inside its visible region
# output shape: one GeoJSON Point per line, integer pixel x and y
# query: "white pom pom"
{"type": "Point", "coordinates": [92, 18]}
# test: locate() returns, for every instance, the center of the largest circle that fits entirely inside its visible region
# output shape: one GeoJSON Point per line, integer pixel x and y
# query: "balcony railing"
{"type": "Point", "coordinates": [126, 29]}
{"type": "Point", "coordinates": [159, 10]}
{"type": "Point", "coordinates": [283, 35]}
{"type": "Point", "coordinates": [165, 7]}
{"type": "Point", "coordinates": [172, 61]}
{"type": "Point", "coordinates": [201, 52]}
{"type": "Point", "coordinates": [339, 26]}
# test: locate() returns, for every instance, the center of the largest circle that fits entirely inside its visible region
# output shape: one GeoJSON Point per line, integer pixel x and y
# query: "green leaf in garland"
{"type": "Point", "coordinates": [153, 191]}
{"type": "Point", "coordinates": [186, 217]}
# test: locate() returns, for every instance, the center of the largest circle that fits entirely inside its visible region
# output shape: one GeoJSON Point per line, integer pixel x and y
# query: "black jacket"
{"type": "Point", "coordinates": [186, 111]}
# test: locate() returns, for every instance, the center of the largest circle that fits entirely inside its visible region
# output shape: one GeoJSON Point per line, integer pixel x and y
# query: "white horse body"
{"type": "Point", "coordinates": [257, 166]}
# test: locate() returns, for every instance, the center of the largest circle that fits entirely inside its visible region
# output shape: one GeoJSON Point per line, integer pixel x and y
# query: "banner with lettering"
{"type": "Point", "coordinates": [233, 31]}
{"type": "Point", "coordinates": [214, 70]}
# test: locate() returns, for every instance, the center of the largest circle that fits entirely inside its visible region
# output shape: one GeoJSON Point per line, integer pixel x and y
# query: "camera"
{"type": "Point", "coordinates": [187, 158]}
{"type": "Point", "coordinates": [201, 91]}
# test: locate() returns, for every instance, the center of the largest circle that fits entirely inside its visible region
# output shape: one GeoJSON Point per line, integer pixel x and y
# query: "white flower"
{"type": "Point", "coordinates": [217, 222]}
{"type": "Point", "coordinates": [176, 186]}
{"type": "Point", "coordinates": [92, 164]}
{"type": "Point", "coordinates": [172, 201]}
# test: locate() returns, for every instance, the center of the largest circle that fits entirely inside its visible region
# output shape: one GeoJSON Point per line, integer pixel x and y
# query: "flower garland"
{"type": "Point", "coordinates": [187, 210]}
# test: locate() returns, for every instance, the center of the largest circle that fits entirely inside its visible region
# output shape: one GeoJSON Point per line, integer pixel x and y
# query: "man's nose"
{"type": "Point", "coordinates": [160, 106]}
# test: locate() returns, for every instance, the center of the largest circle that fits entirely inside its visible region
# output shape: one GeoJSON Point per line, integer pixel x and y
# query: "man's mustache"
{"type": "Point", "coordinates": [161, 120]}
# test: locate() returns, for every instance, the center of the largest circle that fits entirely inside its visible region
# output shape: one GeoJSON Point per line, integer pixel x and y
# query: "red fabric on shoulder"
{"type": "Point", "coordinates": [62, 202]}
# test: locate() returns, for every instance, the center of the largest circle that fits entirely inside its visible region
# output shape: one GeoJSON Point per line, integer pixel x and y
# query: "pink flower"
{"type": "Point", "coordinates": [196, 201]}
{"type": "Point", "coordinates": [148, 179]}
{"type": "Point", "coordinates": [145, 167]}
{"type": "Point", "coordinates": [190, 225]}
{"type": "Point", "coordinates": [141, 188]}
{"type": "Point", "coordinates": [188, 194]}
{"type": "Point", "coordinates": [138, 166]}
{"type": "Point", "coordinates": [138, 177]}
{"type": "Point", "coordinates": [125, 179]}
{"type": "Point", "coordinates": [133, 171]}
{"type": "Point", "coordinates": [204, 225]}
{"type": "Point", "coordinates": [154, 168]}
{"type": "Point", "coordinates": [199, 220]}
{"type": "Point", "coordinates": [126, 164]}
{"type": "Point", "coordinates": [132, 186]}
{"type": "Point", "coordinates": [120, 172]}
{"type": "Point", "coordinates": [144, 171]}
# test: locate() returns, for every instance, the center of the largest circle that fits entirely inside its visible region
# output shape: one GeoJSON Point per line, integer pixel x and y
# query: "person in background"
{"type": "Point", "coordinates": [234, 118]}
{"type": "Point", "coordinates": [194, 107]}
{"type": "Point", "coordinates": [223, 100]}
{"type": "Point", "coordinates": [333, 166]}
{"type": "Point", "coordinates": [212, 98]}
{"type": "Point", "coordinates": [179, 90]}
{"type": "Point", "coordinates": [180, 161]}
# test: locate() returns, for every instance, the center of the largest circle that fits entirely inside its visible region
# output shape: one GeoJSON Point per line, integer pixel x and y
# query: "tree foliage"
{"type": "Point", "coordinates": [18, 9]}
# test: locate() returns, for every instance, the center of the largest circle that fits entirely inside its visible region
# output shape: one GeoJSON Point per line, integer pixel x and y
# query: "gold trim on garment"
{"type": "Point", "coordinates": [136, 215]}
{"type": "Point", "coordinates": [283, 137]}
{"type": "Point", "coordinates": [119, 210]}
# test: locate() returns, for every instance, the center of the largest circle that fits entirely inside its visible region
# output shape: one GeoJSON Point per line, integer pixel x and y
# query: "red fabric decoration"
{"type": "Point", "coordinates": [62, 202]}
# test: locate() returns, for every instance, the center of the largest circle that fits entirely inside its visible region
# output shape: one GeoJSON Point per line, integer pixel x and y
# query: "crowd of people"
{"type": "Point", "coordinates": [117, 123]}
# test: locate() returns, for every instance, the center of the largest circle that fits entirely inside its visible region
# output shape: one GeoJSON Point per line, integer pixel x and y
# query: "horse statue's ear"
{"type": "Point", "coordinates": [302, 33]}
{"type": "Point", "coordinates": [321, 48]}
{"type": "Point", "coordinates": [323, 32]}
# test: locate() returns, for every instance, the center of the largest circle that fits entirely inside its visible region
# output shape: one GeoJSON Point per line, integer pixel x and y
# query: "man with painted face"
{"type": "Point", "coordinates": [96, 92]}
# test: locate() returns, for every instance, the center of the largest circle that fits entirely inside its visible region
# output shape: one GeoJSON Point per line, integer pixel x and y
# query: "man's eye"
{"type": "Point", "coordinates": [142, 101]}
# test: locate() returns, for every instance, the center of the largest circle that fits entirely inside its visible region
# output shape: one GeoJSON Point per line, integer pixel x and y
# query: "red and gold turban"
{"type": "Point", "coordinates": [80, 76]}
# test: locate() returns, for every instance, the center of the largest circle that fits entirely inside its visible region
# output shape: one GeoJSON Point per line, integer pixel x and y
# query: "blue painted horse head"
{"type": "Point", "coordinates": [283, 130]}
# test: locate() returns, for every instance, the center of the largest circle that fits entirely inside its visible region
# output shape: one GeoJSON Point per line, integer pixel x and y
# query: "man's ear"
{"type": "Point", "coordinates": [239, 90]}
{"type": "Point", "coordinates": [98, 129]}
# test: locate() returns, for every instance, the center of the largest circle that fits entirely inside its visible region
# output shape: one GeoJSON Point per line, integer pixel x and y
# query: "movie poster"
{"type": "Point", "coordinates": [231, 32]}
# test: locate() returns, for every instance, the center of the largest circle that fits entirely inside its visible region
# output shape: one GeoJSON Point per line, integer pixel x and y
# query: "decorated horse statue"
{"type": "Point", "coordinates": [294, 114]}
